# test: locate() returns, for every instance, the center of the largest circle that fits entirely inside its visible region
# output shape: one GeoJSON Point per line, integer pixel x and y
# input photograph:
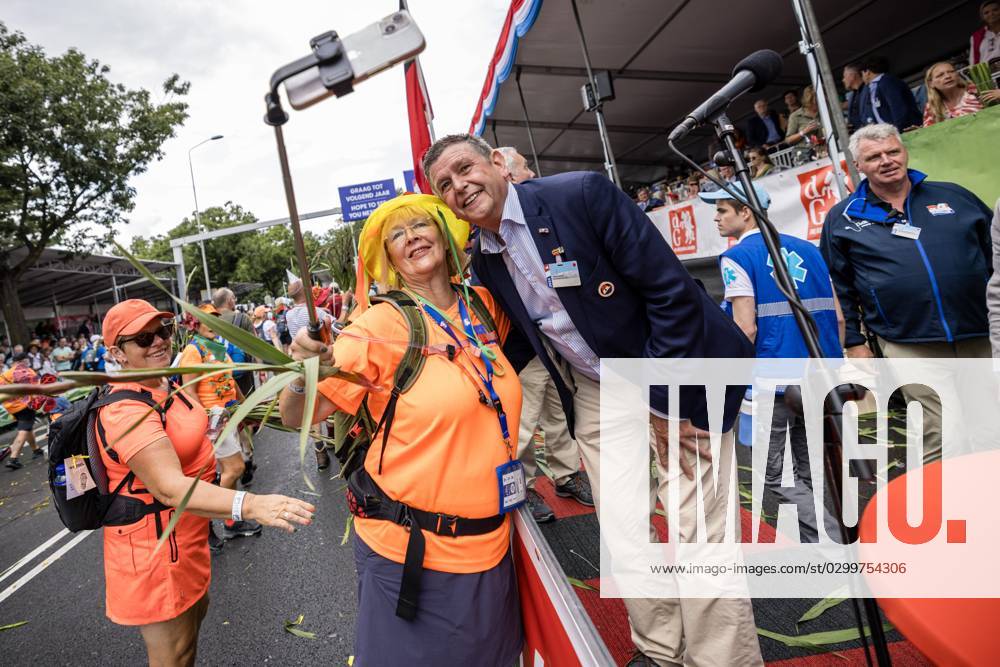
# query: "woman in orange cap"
{"type": "Point", "coordinates": [218, 394]}
{"type": "Point", "coordinates": [164, 592]}
{"type": "Point", "coordinates": [434, 566]}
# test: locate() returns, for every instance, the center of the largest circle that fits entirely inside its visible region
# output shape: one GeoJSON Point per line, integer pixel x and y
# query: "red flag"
{"type": "Point", "coordinates": [420, 114]}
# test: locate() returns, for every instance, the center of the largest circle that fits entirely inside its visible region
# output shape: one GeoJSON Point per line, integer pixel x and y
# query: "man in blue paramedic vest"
{"type": "Point", "coordinates": [761, 311]}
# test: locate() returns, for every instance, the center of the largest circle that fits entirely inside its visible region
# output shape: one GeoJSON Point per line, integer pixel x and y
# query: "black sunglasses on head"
{"type": "Point", "coordinates": [145, 338]}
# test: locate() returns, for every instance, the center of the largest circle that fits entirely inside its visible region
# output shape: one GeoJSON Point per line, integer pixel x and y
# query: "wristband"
{"type": "Point", "coordinates": [295, 389]}
{"type": "Point", "coordinates": [238, 505]}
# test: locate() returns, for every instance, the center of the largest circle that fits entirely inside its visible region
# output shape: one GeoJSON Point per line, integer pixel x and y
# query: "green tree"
{"type": "Point", "coordinates": [267, 253]}
{"type": "Point", "coordinates": [260, 256]}
{"type": "Point", "coordinates": [336, 253]}
{"type": "Point", "coordinates": [70, 139]}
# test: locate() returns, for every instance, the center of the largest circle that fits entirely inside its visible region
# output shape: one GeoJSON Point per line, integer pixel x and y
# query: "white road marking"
{"type": "Point", "coordinates": [38, 569]}
{"type": "Point", "coordinates": [27, 559]}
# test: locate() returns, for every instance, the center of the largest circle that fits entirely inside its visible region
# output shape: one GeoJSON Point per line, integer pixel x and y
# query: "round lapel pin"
{"type": "Point", "coordinates": [606, 289]}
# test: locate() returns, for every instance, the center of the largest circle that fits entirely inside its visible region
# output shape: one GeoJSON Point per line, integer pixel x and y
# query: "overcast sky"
{"type": "Point", "coordinates": [228, 49]}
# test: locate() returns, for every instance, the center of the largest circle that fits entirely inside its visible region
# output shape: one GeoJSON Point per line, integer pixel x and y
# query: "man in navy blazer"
{"type": "Point", "coordinates": [628, 296]}
{"type": "Point", "coordinates": [885, 98]}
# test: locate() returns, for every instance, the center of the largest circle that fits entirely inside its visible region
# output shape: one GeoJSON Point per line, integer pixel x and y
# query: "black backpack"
{"type": "Point", "coordinates": [76, 433]}
{"type": "Point", "coordinates": [284, 335]}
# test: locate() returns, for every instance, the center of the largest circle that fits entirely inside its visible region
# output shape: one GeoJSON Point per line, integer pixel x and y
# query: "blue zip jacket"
{"type": "Point", "coordinates": [928, 289]}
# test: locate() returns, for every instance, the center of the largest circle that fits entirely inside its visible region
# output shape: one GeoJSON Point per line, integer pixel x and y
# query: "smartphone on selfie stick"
{"type": "Point", "coordinates": [333, 68]}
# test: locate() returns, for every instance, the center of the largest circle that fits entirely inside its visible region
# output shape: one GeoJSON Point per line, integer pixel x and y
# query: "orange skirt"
{"type": "Point", "coordinates": [143, 587]}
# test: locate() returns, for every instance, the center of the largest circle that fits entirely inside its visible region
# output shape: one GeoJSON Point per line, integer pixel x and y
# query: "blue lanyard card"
{"type": "Point", "coordinates": [513, 489]}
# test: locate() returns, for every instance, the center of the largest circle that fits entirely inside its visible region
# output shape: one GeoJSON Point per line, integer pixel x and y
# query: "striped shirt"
{"type": "Point", "coordinates": [520, 255]}
{"type": "Point", "coordinates": [969, 104]}
{"type": "Point", "coordinates": [298, 317]}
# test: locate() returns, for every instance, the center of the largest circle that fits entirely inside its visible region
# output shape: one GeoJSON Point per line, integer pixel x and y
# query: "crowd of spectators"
{"type": "Point", "coordinates": [54, 356]}
{"type": "Point", "coordinates": [50, 353]}
{"type": "Point", "coordinates": [773, 140]}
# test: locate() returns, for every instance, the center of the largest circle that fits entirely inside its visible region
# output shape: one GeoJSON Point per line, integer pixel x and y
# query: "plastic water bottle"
{"type": "Point", "coordinates": [60, 479]}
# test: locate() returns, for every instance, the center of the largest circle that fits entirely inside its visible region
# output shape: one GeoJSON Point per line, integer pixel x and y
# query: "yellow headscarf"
{"type": "Point", "coordinates": [373, 262]}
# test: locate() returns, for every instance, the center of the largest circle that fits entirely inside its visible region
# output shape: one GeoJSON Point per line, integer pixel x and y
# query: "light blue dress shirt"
{"type": "Point", "coordinates": [872, 89]}
{"type": "Point", "coordinates": [520, 255]}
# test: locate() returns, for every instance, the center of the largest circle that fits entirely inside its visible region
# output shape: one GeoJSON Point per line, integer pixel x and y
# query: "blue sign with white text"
{"type": "Point", "coordinates": [357, 202]}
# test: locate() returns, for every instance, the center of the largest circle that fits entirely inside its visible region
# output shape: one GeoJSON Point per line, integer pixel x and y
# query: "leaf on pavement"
{"type": "Point", "coordinates": [818, 640]}
{"type": "Point", "coordinates": [828, 602]}
{"type": "Point", "coordinates": [581, 584]}
{"type": "Point", "coordinates": [11, 626]}
{"type": "Point", "coordinates": [292, 628]}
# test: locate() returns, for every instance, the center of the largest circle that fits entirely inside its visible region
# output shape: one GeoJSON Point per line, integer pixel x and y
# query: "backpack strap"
{"type": "Point", "coordinates": [129, 395]}
{"type": "Point", "coordinates": [413, 359]}
{"type": "Point", "coordinates": [241, 319]}
{"type": "Point", "coordinates": [410, 365]}
{"type": "Point", "coordinates": [109, 397]}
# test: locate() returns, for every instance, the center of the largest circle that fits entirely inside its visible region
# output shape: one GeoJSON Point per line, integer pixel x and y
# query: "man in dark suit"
{"type": "Point", "coordinates": [627, 296]}
{"type": "Point", "coordinates": [764, 127]}
{"type": "Point", "coordinates": [854, 84]}
{"type": "Point", "coordinates": [886, 99]}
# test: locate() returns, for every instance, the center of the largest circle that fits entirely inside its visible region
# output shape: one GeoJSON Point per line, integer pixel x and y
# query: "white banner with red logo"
{"type": "Point", "coordinates": [800, 199]}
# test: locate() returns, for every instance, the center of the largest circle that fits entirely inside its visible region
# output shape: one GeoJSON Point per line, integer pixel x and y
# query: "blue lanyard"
{"type": "Point", "coordinates": [487, 380]}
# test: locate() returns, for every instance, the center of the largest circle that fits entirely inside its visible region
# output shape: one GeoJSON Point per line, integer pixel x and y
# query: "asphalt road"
{"type": "Point", "coordinates": [257, 583]}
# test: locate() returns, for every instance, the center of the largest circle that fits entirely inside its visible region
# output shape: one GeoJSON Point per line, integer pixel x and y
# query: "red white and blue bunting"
{"type": "Point", "coordinates": [520, 17]}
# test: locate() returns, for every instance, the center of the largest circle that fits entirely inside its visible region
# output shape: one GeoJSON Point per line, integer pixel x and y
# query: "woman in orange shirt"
{"type": "Point", "coordinates": [435, 577]}
{"type": "Point", "coordinates": [164, 593]}
{"type": "Point", "coordinates": [217, 394]}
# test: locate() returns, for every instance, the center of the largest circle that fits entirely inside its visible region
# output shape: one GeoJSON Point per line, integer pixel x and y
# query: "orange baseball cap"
{"type": "Point", "coordinates": [209, 308]}
{"type": "Point", "coordinates": [130, 317]}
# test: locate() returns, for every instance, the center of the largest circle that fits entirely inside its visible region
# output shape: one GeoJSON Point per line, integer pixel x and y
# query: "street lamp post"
{"type": "Point", "coordinates": [197, 213]}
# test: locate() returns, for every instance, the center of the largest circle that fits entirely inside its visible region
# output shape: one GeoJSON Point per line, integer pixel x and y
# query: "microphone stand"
{"type": "Point", "coordinates": [833, 406]}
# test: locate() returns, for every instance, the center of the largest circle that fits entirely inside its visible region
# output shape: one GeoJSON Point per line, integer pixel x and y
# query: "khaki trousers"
{"type": "Point", "coordinates": [540, 406]}
{"type": "Point", "coordinates": [947, 380]}
{"type": "Point", "coordinates": [676, 631]}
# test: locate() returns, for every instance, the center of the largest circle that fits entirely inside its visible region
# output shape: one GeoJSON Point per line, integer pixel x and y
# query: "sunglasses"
{"type": "Point", "coordinates": [146, 338]}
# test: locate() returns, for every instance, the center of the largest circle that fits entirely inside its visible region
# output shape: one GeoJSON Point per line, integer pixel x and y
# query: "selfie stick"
{"type": "Point", "coordinates": [833, 408]}
{"type": "Point", "coordinates": [337, 76]}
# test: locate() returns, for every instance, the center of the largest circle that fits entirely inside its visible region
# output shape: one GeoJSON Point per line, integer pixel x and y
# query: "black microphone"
{"type": "Point", "coordinates": [750, 75]}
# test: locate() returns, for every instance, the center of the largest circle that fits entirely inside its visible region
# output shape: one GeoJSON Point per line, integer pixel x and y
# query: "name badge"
{"type": "Point", "coordinates": [562, 274]}
{"type": "Point", "coordinates": [78, 479]}
{"type": "Point", "coordinates": [513, 489]}
{"type": "Point", "coordinates": [907, 231]}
